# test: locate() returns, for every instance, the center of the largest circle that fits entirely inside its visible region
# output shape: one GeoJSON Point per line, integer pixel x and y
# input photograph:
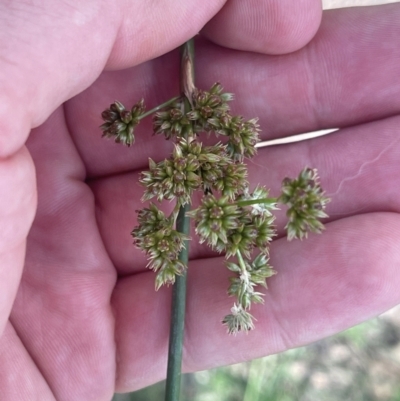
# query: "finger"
{"type": "Point", "coordinates": [333, 82]}
{"type": "Point", "coordinates": [358, 170]}
{"type": "Point", "coordinates": [62, 309]}
{"type": "Point", "coordinates": [324, 285]}
{"type": "Point", "coordinates": [21, 380]}
{"type": "Point", "coordinates": [67, 48]}
{"type": "Point", "coordinates": [269, 26]}
{"type": "Point", "coordinates": [17, 208]}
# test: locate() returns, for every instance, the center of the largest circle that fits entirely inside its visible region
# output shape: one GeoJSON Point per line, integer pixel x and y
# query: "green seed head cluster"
{"type": "Point", "coordinates": [229, 179]}
{"type": "Point", "coordinates": [242, 136]}
{"type": "Point", "coordinates": [193, 167]}
{"type": "Point", "coordinates": [233, 227]}
{"type": "Point", "coordinates": [120, 123]}
{"type": "Point", "coordinates": [227, 227]}
{"type": "Point", "coordinates": [172, 178]}
{"type": "Point", "coordinates": [215, 220]}
{"type": "Point", "coordinates": [172, 121]}
{"type": "Point", "coordinates": [248, 276]}
{"type": "Point", "coordinates": [254, 274]}
{"type": "Point", "coordinates": [209, 107]}
{"type": "Point", "coordinates": [306, 203]}
{"type": "Point", "coordinates": [238, 320]}
{"type": "Point", "coordinates": [230, 219]}
{"type": "Point", "coordinates": [156, 236]}
{"type": "Point", "coordinates": [210, 113]}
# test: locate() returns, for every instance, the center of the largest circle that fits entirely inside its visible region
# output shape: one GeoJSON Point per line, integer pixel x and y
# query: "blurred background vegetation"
{"type": "Point", "coordinates": [360, 364]}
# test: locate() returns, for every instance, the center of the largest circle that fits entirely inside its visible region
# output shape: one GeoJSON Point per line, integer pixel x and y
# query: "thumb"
{"type": "Point", "coordinates": [52, 51]}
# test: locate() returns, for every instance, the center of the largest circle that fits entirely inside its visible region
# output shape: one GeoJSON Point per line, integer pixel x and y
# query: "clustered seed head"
{"type": "Point", "coordinates": [249, 275]}
{"type": "Point", "coordinates": [252, 232]}
{"type": "Point", "coordinates": [306, 203]}
{"type": "Point", "coordinates": [172, 121]}
{"type": "Point", "coordinates": [229, 179]}
{"type": "Point", "coordinates": [261, 270]}
{"type": "Point", "coordinates": [209, 107]}
{"type": "Point", "coordinates": [242, 136]}
{"type": "Point", "coordinates": [227, 227]}
{"type": "Point", "coordinates": [215, 219]}
{"type": "Point", "coordinates": [170, 179]}
{"type": "Point", "coordinates": [120, 123]}
{"type": "Point", "coordinates": [210, 113]}
{"type": "Point", "coordinates": [156, 236]}
{"type": "Point", "coordinates": [219, 173]}
{"type": "Point", "coordinates": [238, 320]}
{"type": "Point", "coordinates": [237, 227]}
{"type": "Point", "coordinates": [192, 167]}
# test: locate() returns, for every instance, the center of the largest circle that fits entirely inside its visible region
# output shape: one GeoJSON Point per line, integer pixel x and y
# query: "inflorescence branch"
{"type": "Point", "coordinates": [231, 218]}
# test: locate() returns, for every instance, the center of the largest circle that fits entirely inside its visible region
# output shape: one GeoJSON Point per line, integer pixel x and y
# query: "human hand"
{"type": "Point", "coordinates": [66, 339]}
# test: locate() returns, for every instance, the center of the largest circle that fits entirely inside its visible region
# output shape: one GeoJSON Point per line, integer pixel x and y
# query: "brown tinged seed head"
{"type": "Point", "coordinates": [208, 107]}
{"type": "Point", "coordinates": [120, 123]}
{"type": "Point", "coordinates": [219, 172]}
{"type": "Point", "coordinates": [172, 121]}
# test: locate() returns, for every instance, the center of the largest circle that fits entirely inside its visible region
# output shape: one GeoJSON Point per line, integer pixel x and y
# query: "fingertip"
{"type": "Point", "coordinates": [14, 126]}
{"type": "Point", "coordinates": [269, 26]}
{"type": "Point", "coordinates": [163, 25]}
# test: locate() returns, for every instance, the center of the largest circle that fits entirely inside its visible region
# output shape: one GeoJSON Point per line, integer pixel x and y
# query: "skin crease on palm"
{"type": "Point", "coordinates": [79, 317]}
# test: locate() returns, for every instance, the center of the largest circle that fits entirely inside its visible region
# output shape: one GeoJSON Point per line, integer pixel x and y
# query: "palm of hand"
{"type": "Point", "coordinates": [86, 306]}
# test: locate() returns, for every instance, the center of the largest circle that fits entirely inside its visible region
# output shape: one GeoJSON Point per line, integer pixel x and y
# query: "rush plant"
{"type": "Point", "coordinates": [232, 218]}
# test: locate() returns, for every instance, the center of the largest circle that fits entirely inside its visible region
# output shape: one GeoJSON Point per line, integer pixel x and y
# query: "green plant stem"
{"type": "Point", "coordinates": [159, 107]}
{"type": "Point", "coordinates": [176, 333]}
{"type": "Point", "coordinates": [269, 201]}
{"type": "Point", "coordinates": [242, 263]}
{"type": "Point", "coordinates": [172, 391]}
{"type": "Point", "coordinates": [245, 274]}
